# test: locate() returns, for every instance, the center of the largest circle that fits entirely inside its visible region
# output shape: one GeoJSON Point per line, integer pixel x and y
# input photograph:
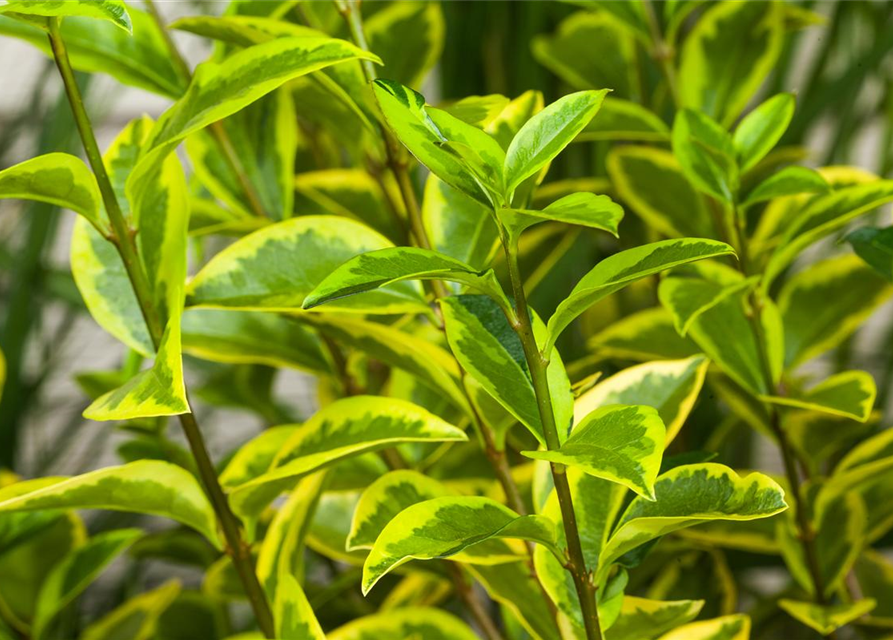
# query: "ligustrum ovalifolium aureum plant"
{"type": "Point", "coordinates": [544, 394]}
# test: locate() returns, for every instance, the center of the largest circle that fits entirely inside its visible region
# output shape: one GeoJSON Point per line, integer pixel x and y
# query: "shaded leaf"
{"type": "Point", "coordinates": [826, 619]}
{"type": "Point", "coordinates": [431, 624]}
{"type": "Point", "coordinates": [762, 128]}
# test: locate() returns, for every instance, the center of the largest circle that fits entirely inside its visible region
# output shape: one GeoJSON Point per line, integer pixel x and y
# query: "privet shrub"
{"type": "Point", "coordinates": [505, 444]}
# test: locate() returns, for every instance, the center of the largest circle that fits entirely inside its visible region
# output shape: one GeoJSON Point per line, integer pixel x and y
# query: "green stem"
{"type": "Point", "coordinates": [217, 129]}
{"type": "Point", "coordinates": [538, 364]}
{"type": "Point", "coordinates": [662, 52]}
{"type": "Point", "coordinates": [123, 237]}
{"type": "Point", "coordinates": [466, 594]}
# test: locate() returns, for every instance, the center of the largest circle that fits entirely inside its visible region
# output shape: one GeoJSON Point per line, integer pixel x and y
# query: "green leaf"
{"type": "Point", "coordinates": [292, 613]}
{"type": "Point", "coordinates": [457, 225]}
{"type": "Point", "coordinates": [512, 585]}
{"type": "Point", "coordinates": [409, 38]}
{"type": "Point", "coordinates": [643, 336]}
{"type": "Point", "coordinates": [478, 111]}
{"type": "Point", "coordinates": [255, 456]}
{"type": "Point", "coordinates": [811, 326]}
{"type": "Point", "coordinates": [823, 215]}
{"type": "Point", "coordinates": [76, 571]}
{"type": "Point", "coordinates": [504, 127]}
{"type": "Point", "coordinates": [158, 391]}
{"type": "Point", "coordinates": [589, 51]}
{"type": "Point", "coordinates": [624, 120]}
{"type": "Point", "coordinates": [264, 137]}
{"type": "Point", "coordinates": [347, 427]}
{"type": "Point", "coordinates": [407, 116]}
{"type": "Point", "coordinates": [762, 128]}
{"type": "Point", "coordinates": [431, 364]}
{"type": "Point", "coordinates": [281, 553]}
{"type": "Point", "coordinates": [875, 575]}
{"type": "Point", "coordinates": [849, 394]}
{"type": "Point", "coordinates": [221, 89]}
{"type": "Point", "coordinates": [620, 443]}
{"type": "Point", "coordinates": [137, 618]}
{"type": "Point", "coordinates": [733, 627]}
{"type": "Point", "coordinates": [487, 347]}
{"type": "Point", "coordinates": [103, 283]}
{"type": "Point", "coordinates": [276, 267]}
{"type": "Point", "coordinates": [689, 298]}
{"type": "Point", "coordinates": [727, 55]}
{"type": "Point", "coordinates": [59, 179]}
{"type": "Point", "coordinates": [244, 337]}
{"type": "Point", "coordinates": [670, 386]}
{"type": "Point", "coordinates": [617, 271]}
{"type": "Point", "coordinates": [430, 624]}
{"type": "Point", "coordinates": [547, 133]}
{"type": "Point", "coordinates": [113, 11]}
{"type": "Point", "coordinates": [643, 618]}
{"type": "Point", "coordinates": [146, 486]}
{"type": "Point", "coordinates": [138, 60]}
{"type": "Point", "coordinates": [584, 209]}
{"type": "Point", "coordinates": [787, 182]}
{"type": "Point", "coordinates": [241, 30]}
{"type": "Point", "coordinates": [829, 618]}
{"type": "Point", "coordinates": [650, 181]}
{"type": "Point", "coordinates": [706, 153]}
{"type": "Point", "coordinates": [689, 495]}
{"type": "Point", "coordinates": [739, 359]}
{"type": "Point", "coordinates": [373, 270]}
{"type": "Point", "coordinates": [875, 247]}
{"type": "Point", "coordinates": [384, 499]}
{"type": "Point", "coordinates": [441, 527]}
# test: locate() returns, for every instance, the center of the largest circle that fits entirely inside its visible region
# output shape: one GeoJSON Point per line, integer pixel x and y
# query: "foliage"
{"type": "Point", "coordinates": [545, 334]}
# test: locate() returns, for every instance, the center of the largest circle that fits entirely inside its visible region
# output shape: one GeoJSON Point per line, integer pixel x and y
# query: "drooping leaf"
{"type": "Point", "coordinates": [458, 225]}
{"type": "Point", "coordinates": [76, 571]}
{"type": "Point", "coordinates": [617, 271]}
{"type": "Point", "coordinates": [375, 269]}
{"type": "Point", "coordinates": [733, 627]}
{"type": "Point", "coordinates": [643, 618]}
{"type": "Point", "coordinates": [620, 443]}
{"type": "Point", "coordinates": [59, 179]}
{"type": "Point", "coordinates": [441, 527]}
{"type": "Point", "coordinates": [875, 247]}
{"type": "Point", "coordinates": [670, 386]}
{"type": "Point", "coordinates": [487, 347]}
{"type": "Point", "coordinates": [706, 153]}
{"type": "Point", "coordinates": [651, 182]}
{"type": "Point", "coordinates": [146, 486]}
{"type": "Point", "coordinates": [787, 182]}
{"type": "Point", "coordinates": [281, 553]}
{"type": "Point", "coordinates": [137, 618]}
{"type": "Point", "coordinates": [849, 394]}
{"type": "Point", "coordinates": [727, 55]}
{"type": "Point", "coordinates": [409, 38]}
{"type": "Point", "coordinates": [624, 120]}
{"type": "Point", "coordinates": [822, 215]}
{"type": "Point", "coordinates": [113, 11]}
{"type": "Point", "coordinates": [547, 133]}
{"type": "Point", "coordinates": [589, 51]}
{"type": "Point", "coordinates": [293, 614]}
{"type": "Point", "coordinates": [759, 130]}
{"type": "Point", "coordinates": [245, 337]}
{"type": "Point", "coordinates": [431, 624]}
{"type": "Point", "coordinates": [384, 499]}
{"type": "Point", "coordinates": [689, 495]}
{"type": "Point", "coordinates": [406, 114]}
{"type": "Point", "coordinates": [347, 427]}
{"type": "Point", "coordinates": [276, 267]}
{"type": "Point", "coordinates": [811, 326]}
{"type": "Point", "coordinates": [826, 619]}
{"type": "Point", "coordinates": [139, 59]}
{"type": "Point", "coordinates": [241, 30]}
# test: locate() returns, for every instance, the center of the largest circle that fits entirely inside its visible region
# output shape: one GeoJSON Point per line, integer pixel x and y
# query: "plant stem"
{"type": "Point", "coordinates": [662, 52]}
{"type": "Point", "coordinates": [217, 129]}
{"type": "Point", "coordinates": [474, 605]}
{"type": "Point", "coordinates": [538, 364]}
{"type": "Point", "coordinates": [123, 237]}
